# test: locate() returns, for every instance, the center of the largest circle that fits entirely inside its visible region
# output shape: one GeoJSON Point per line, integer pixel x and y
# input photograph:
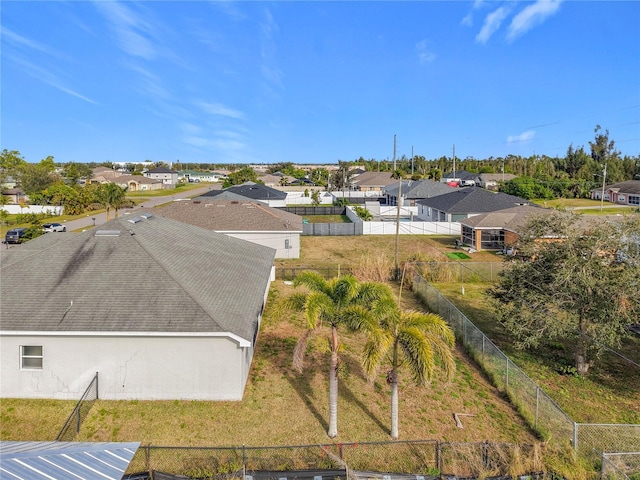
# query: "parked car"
{"type": "Point", "coordinates": [14, 235]}
{"type": "Point", "coordinates": [54, 227]}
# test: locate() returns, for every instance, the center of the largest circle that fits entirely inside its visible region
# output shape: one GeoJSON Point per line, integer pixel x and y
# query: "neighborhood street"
{"type": "Point", "coordinates": [99, 218]}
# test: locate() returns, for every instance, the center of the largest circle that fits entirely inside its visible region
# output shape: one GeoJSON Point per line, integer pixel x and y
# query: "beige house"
{"type": "Point", "coordinates": [133, 183]}
{"type": "Point", "coordinates": [372, 181]}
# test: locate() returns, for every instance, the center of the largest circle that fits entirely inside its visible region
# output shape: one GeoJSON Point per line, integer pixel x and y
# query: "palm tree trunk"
{"type": "Point", "coordinates": [333, 385]}
{"type": "Point", "coordinates": [394, 405]}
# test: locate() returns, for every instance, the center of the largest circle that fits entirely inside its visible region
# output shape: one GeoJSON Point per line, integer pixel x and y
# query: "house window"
{"type": "Point", "coordinates": [634, 200]}
{"type": "Point", "coordinates": [31, 357]}
{"type": "Point", "coordinates": [287, 244]}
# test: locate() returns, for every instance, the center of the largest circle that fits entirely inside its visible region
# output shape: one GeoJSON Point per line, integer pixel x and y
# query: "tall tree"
{"type": "Point", "coordinates": [332, 304]}
{"type": "Point", "coordinates": [246, 174]}
{"type": "Point", "coordinates": [421, 342]}
{"type": "Point", "coordinates": [578, 286]}
{"type": "Point", "coordinates": [10, 164]}
{"type": "Point", "coordinates": [36, 177]}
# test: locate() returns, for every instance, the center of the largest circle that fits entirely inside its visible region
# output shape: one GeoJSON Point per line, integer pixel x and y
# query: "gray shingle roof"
{"type": "Point", "coordinates": [472, 200]}
{"type": "Point", "coordinates": [157, 275]}
{"type": "Point", "coordinates": [508, 219]}
{"type": "Point", "coordinates": [232, 215]}
{"type": "Point", "coordinates": [161, 170]}
{"type": "Point", "coordinates": [373, 179]}
{"type": "Point", "coordinates": [254, 191]}
{"type": "Point", "coordinates": [629, 186]}
{"type": "Point", "coordinates": [418, 189]}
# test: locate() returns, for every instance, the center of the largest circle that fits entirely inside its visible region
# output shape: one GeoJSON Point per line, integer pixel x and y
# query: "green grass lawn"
{"type": "Point", "coordinates": [458, 256]}
{"type": "Point", "coordinates": [326, 219]}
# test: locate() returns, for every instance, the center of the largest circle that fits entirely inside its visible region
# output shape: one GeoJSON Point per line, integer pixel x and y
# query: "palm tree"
{"type": "Point", "coordinates": [415, 339]}
{"type": "Point", "coordinates": [110, 196]}
{"type": "Point", "coordinates": [342, 301]}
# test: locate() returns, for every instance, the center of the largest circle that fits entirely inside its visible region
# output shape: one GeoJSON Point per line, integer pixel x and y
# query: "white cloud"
{"type": "Point", "coordinates": [271, 73]}
{"type": "Point", "coordinates": [467, 21]}
{"type": "Point", "coordinates": [491, 24]}
{"type": "Point", "coordinates": [220, 110]}
{"type": "Point", "coordinates": [531, 16]}
{"type": "Point", "coordinates": [19, 40]}
{"type": "Point", "coordinates": [425, 55]}
{"type": "Point", "coordinates": [129, 29]}
{"type": "Point", "coordinates": [47, 77]}
{"type": "Point", "coordinates": [523, 137]}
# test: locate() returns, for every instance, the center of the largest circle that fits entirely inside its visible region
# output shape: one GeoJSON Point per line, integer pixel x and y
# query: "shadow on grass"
{"type": "Point", "coordinates": [279, 351]}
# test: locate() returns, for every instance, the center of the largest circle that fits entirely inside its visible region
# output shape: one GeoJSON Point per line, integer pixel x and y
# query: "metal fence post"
{"type": "Point", "coordinates": [575, 436]}
{"type": "Point", "coordinates": [97, 396]}
{"type": "Point", "coordinates": [244, 462]}
{"type": "Point", "coordinates": [507, 377]}
{"type": "Point", "coordinates": [537, 405]}
{"type": "Point", "coordinates": [77, 420]}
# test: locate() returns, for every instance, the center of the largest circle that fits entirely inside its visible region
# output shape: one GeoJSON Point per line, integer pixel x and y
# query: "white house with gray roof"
{"type": "Point", "coordinates": [159, 308]}
{"type": "Point", "coordinates": [242, 218]}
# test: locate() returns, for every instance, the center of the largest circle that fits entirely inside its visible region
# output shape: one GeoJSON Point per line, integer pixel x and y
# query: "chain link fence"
{"type": "Point", "coordinates": [620, 466]}
{"type": "Point", "coordinates": [435, 272]}
{"type": "Point", "coordinates": [385, 460]}
{"type": "Point", "coordinates": [458, 272]}
{"type": "Point", "coordinates": [290, 273]}
{"type": "Point", "coordinates": [620, 438]}
{"type": "Point", "coordinates": [535, 405]}
{"type": "Point", "coordinates": [81, 410]}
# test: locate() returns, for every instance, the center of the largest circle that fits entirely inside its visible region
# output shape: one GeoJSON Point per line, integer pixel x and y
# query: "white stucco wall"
{"type": "Point", "coordinates": [142, 367]}
{"type": "Point", "coordinates": [275, 240]}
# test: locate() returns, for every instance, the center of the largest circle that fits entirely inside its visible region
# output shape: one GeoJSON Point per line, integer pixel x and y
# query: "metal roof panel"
{"type": "Point", "coordinates": [62, 460]}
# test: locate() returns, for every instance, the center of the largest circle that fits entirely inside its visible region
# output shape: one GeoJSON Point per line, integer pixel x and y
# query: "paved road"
{"type": "Point", "coordinates": [99, 218]}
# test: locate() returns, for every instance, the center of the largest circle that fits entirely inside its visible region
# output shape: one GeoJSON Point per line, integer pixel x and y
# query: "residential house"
{"type": "Point", "coordinates": [104, 175]}
{"type": "Point", "coordinates": [196, 176]}
{"type": "Point", "coordinates": [372, 181]}
{"type": "Point", "coordinates": [461, 178]}
{"type": "Point", "coordinates": [623, 193]}
{"type": "Point", "coordinates": [253, 191]}
{"type": "Point", "coordinates": [491, 181]}
{"type": "Point", "coordinates": [276, 179]}
{"type": "Point", "coordinates": [14, 196]}
{"type": "Point", "coordinates": [413, 190]}
{"type": "Point", "coordinates": [168, 176]}
{"type": "Point", "coordinates": [133, 183]}
{"type": "Point", "coordinates": [499, 229]}
{"type": "Point", "coordinates": [242, 218]}
{"type": "Point", "coordinates": [464, 203]}
{"type": "Point", "coordinates": [159, 308]}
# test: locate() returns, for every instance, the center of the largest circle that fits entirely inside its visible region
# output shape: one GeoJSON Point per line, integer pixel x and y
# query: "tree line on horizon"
{"type": "Point", "coordinates": [572, 176]}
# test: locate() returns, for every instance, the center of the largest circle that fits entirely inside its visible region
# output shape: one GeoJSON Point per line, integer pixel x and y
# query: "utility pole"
{"type": "Point", "coordinates": [394, 153]}
{"type": "Point", "coordinates": [604, 179]}
{"type": "Point", "coordinates": [396, 272]}
{"type": "Point", "coordinates": [411, 160]}
{"type": "Point", "coordinates": [454, 162]}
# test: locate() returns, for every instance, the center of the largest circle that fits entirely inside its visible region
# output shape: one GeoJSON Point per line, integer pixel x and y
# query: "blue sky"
{"type": "Point", "coordinates": [316, 82]}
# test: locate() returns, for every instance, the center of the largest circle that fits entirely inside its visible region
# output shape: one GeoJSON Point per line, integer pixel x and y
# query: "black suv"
{"type": "Point", "coordinates": [15, 235]}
